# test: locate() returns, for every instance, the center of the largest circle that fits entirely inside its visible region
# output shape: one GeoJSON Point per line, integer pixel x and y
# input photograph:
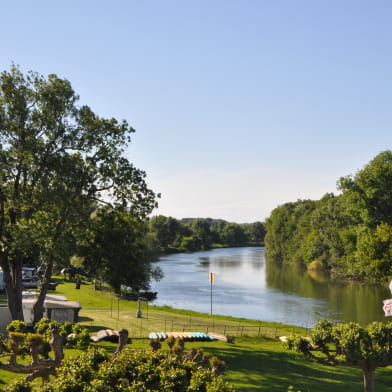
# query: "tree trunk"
{"type": "Point", "coordinates": [14, 298]}
{"type": "Point", "coordinates": [39, 305]}
{"type": "Point", "coordinates": [13, 287]}
{"type": "Point", "coordinates": [368, 379]}
{"type": "Point", "coordinates": [122, 341]}
{"type": "Point", "coordinates": [56, 344]}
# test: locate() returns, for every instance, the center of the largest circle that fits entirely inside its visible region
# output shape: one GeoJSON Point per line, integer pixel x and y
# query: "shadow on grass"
{"type": "Point", "coordinates": [82, 319]}
{"type": "Point", "coordinates": [107, 346]}
{"type": "Point", "coordinates": [95, 328]}
{"type": "Point", "coordinates": [275, 371]}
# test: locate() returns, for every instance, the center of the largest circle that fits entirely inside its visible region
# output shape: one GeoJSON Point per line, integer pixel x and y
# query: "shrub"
{"type": "Point", "coordinates": [217, 366]}
{"type": "Point", "coordinates": [134, 371]}
{"type": "Point", "coordinates": [79, 337]}
{"type": "Point", "coordinates": [19, 386]}
{"type": "Point", "coordinates": [16, 326]}
{"type": "Point", "coordinates": [66, 329]}
{"type": "Point", "coordinates": [178, 347]}
{"type": "Point", "coordinates": [155, 344]}
{"type": "Point", "coordinates": [42, 327]}
{"type": "Point", "coordinates": [73, 334]}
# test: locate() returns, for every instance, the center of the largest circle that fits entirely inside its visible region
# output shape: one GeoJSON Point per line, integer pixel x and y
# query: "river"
{"type": "Point", "coordinates": [247, 287]}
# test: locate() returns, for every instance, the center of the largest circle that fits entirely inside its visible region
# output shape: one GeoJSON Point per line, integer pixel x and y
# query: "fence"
{"type": "Point", "coordinates": [232, 330]}
{"type": "Point", "coordinates": [141, 327]}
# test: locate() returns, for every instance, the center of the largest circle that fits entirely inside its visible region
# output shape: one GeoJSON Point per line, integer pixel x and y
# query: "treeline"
{"type": "Point", "coordinates": [167, 234]}
{"type": "Point", "coordinates": [349, 234]}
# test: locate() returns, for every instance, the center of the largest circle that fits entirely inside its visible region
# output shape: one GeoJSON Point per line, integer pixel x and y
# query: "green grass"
{"type": "Point", "coordinates": [255, 363]}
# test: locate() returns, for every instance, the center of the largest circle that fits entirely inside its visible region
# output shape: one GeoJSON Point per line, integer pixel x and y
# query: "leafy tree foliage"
{"type": "Point", "coordinates": [368, 193]}
{"type": "Point", "coordinates": [56, 160]}
{"type": "Point", "coordinates": [349, 345]}
{"type": "Point", "coordinates": [167, 234]}
{"type": "Point", "coordinates": [113, 248]}
{"type": "Point", "coordinates": [95, 371]}
{"type": "Point", "coordinates": [233, 234]}
{"type": "Point", "coordinates": [164, 231]}
{"type": "Point", "coordinates": [374, 250]}
{"type": "Point", "coordinates": [255, 232]}
{"type": "Point", "coordinates": [201, 233]}
{"type": "Point", "coordinates": [349, 234]}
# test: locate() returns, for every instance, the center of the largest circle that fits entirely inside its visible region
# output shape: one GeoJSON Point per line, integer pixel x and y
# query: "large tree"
{"type": "Point", "coordinates": [113, 248]}
{"type": "Point", "coordinates": [56, 160]}
{"type": "Point", "coordinates": [165, 230]}
{"type": "Point", "coordinates": [368, 193]}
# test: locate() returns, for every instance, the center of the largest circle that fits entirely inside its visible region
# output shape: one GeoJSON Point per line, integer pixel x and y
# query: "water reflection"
{"type": "Point", "coordinates": [347, 301]}
{"type": "Point", "coordinates": [247, 286]}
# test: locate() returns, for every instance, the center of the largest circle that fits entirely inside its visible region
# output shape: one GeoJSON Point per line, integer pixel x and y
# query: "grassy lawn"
{"type": "Point", "coordinates": [255, 363]}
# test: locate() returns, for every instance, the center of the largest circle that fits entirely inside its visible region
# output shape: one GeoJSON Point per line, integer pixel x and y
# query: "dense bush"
{"type": "Point", "coordinates": [73, 334]}
{"type": "Point", "coordinates": [139, 371]}
{"type": "Point", "coordinates": [19, 386]}
{"type": "Point", "coordinates": [16, 326]}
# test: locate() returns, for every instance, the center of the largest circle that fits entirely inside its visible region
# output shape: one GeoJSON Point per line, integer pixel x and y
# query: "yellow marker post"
{"type": "Point", "coordinates": [211, 278]}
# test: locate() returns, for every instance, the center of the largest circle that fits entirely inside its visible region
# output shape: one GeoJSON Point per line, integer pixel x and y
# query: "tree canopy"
{"type": "Point", "coordinates": [368, 193]}
{"type": "Point", "coordinates": [167, 234]}
{"type": "Point", "coordinates": [58, 160]}
{"type": "Point", "coordinates": [348, 234]}
{"type": "Point", "coordinates": [113, 248]}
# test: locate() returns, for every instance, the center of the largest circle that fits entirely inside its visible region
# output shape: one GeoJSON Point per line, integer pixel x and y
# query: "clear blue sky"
{"type": "Point", "coordinates": [238, 106]}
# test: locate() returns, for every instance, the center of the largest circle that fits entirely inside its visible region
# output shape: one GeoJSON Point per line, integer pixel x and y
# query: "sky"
{"type": "Point", "coordinates": [238, 106]}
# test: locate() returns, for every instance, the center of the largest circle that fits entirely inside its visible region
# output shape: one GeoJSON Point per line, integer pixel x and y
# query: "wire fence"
{"type": "Point", "coordinates": [231, 330]}
{"type": "Point", "coordinates": [140, 327]}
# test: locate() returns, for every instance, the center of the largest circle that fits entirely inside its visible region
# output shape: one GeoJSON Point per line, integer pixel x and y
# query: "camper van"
{"type": "Point", "coordinates": [29, 279]}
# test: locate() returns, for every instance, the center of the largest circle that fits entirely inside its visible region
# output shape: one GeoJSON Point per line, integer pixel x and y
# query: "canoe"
{"type": "Point", "coordinates": [218, 336]}
{"type": "Point", "coordinates": [196, 335]}
{"type": "Point", "coordinates": [188, 336]}
{"type": "Point", "coordinates": [153, 336]}
{"type": "Point", "coordinates": [162, 335]}
{"type": "Point", "coordinates": [106, 334]}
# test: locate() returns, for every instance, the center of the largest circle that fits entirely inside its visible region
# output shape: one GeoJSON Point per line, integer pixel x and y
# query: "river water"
{"type": "Point", "coordinates": [246, 286]}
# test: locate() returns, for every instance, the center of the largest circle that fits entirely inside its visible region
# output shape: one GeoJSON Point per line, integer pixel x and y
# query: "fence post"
{"type": "Point", "coordinates": [258, 333]}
